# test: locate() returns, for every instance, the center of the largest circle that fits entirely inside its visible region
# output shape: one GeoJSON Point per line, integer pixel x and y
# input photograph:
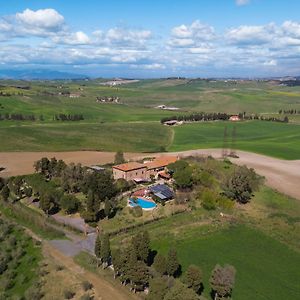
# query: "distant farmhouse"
{"type": "Point", "coordinates": [173, 122]}
{"type": "Point", "coordinates": [143, 171]}
{"type": "Point", "coordinates": [234, 118]}
{"type": "Point", "coordinates": [164, 107]}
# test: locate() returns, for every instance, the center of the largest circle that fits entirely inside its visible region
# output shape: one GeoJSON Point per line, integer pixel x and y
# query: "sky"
{"type": "Point", "coordinates": [152, 38]}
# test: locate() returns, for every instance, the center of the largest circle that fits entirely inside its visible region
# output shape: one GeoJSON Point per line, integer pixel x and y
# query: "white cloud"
{"type": "Point", "coordinates": [270, 63]}
{"type": "Point", "coordinates": [76, 38]}
{"type": "Point", "coordinates": [43, 18]}
{"type": "Point", "coordinates": [250, 34]}
{"type": "Point", "coordinates": [242, 2]}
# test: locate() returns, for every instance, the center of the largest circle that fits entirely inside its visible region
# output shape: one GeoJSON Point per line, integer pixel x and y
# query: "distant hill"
{"type": "Point", "coordinates": [38, 75]}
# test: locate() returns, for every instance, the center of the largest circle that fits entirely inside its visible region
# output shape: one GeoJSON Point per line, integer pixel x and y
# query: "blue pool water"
{"type": "Point", "coordinates": [142, 203]}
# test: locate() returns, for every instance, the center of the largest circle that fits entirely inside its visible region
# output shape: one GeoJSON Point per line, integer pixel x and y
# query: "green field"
{"type": "Point", "coordinates": [134, 124]}
{"type": "Point", "coordinates": [266, 269]}
{"type": "Point", "coordinates": [269, 138]}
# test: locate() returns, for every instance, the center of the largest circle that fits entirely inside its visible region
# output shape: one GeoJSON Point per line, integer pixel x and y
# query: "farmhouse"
{"type": "Point", "coordinates": [158, 164]}
{"type": "Point", "coordinates": [130, 171]}
{"type": "Point", "coordinates": [234, 118]}
{"type": "Point", "coordinates": [142, 172]}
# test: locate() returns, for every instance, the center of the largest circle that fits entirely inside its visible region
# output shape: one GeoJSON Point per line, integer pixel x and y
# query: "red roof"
{"type": "Point", "coordinates": [161, 162]}
{"type": "Point", "coordinates": [129, 166]}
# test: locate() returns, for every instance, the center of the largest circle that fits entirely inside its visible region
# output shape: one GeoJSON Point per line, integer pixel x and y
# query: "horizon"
{"type": "Point", "coordinates": [232, 39]}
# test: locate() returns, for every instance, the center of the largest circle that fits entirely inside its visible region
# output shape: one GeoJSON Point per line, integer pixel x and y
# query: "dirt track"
{"type": "Point", "coordinates": [282, 175]}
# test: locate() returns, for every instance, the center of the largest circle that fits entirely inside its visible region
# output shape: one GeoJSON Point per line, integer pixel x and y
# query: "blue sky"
{"type": "Point", "coordinates": [152, 38]}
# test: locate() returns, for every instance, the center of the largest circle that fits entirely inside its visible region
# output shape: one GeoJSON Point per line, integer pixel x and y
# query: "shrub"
{"type": "Point", "coordinates": [86, 297]}
{"type": "Point", "coordinates": [86, 285]}
{"type": "Point", "coordinates": [68, 294]}
{"type": "Point", "coordinates": [209, 200]}
{"type": "Point", "coordinates": [59, 268]}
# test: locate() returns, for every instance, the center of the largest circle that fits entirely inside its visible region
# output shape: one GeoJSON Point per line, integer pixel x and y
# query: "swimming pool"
{"type": "Point", "coordinates": [143, 203]}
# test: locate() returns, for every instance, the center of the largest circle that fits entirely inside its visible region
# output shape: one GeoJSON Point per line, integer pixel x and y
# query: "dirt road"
{"type": "Point", "coordinates": [282, 175]}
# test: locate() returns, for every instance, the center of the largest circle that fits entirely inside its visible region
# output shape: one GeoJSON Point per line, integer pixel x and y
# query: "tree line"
{"type": "Point", "coordinates": [22, 117]}
{"type": "Point", "coordinates": [143, 269]}
{"type": "Point", "coordinates": [64, 117]}
{"type": "Point", "coordinates": [17, 117]}
{"type": "Point", "coordinates": [289, 112]}
{"type": "Point", "coordinates": [204, 117]}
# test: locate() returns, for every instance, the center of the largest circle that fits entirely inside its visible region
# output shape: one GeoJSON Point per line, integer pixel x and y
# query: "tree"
{"type": "Point", "coordinates": [28, 191]}
{"type": "Point", "coordinates": [222, 281]}
{"type": "Point", "coordinates": [107, 208]}
{"type": "Point", "coordinates": [180, 291]}
{"type": "Point", "coordinates": [49, 202]}
{"type": "Point", "coordinates": [182, 174]}
{"type": "Point", "coordinates": [5, 193]}
{"type": "Point", "coordinates": [160, 264]}
{"type": "Point", "coordinates": [241, 185]}
{"type": "Point", "coordinates": [194, 279]}
{"type": "Point", "coordinates": [183, 178]}
{"type": "Point", "coordinates": [119, 158]}
{"type": "Point", "coordinates": [2, 183]}
{"type": "Point", "coordinates": [139, 275]}
{"type": "Point", "coordinates": [45, 203]}
{"type": "Point", "coordinates": [158, 288]}
{"type": "Point", "coordinates": [172, 263]}
{"type": "Point", "coordinates": [141, 243]}
{"type": "Point", "coordinates": [97, 249]}
{"type": "Point", "coordinates": [69, 203]}
{"type": "Point", "coordinates": [105, 251]}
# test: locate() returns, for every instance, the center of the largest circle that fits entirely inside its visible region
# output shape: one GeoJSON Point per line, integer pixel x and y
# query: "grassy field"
{"type": "Point", "coordinates": [134, 125]}
{"type": "Point", "coordinates": [266, 269]}
{"type": "Point", "coordinates": [269, 138]}
{"type": "Point", "coordinates": [260, 239]}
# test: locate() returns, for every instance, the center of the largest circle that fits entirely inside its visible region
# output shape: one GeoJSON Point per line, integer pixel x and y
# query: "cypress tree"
{"type": "Point", "coordinates": [97, 249]}
{"type": "Point", "coordinates": [105, 249]}
{"type": "Point", "coordinates": [172, 262]}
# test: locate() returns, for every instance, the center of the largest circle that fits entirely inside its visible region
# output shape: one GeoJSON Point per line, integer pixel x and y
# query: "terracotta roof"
{"type": "Point", "coordinates": [129, 166]}
{"type": "Point", "coordinates": [161, 162]}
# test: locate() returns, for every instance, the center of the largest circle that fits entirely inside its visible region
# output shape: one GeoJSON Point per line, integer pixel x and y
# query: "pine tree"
{"type": "Point", "coordinates": [172, 262]}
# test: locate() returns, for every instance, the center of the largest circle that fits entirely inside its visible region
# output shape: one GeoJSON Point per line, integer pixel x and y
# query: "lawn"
{"type": "Point", "coordinates": [266, 269]}
{"type": "Point", "coordinates": [269, 138]}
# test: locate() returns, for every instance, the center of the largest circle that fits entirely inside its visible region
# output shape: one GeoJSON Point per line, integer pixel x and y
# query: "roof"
{"type": "Point", "coordinates": [162, 191]}
{"type": "Point", "coordinates": [160, 162]}
{"type": "Point", "coordinates": [129, 166]}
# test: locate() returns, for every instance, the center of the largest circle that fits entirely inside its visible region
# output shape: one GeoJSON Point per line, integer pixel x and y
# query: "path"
{"type": "Point", "coordinates": [282, 175]}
